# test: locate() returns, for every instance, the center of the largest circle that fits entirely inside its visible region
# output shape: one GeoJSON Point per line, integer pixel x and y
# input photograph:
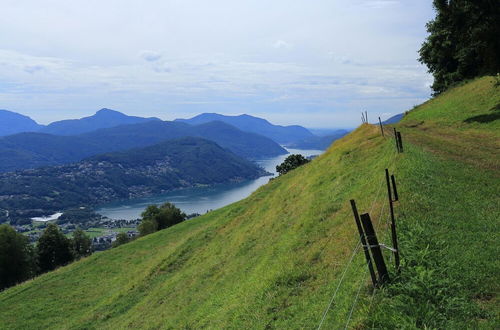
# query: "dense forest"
{"type": "Point", "coordinates": [463, 41]}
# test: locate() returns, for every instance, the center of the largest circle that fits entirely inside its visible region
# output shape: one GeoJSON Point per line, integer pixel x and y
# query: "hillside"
{"type": "Point", "coordinates": [141, 172]}
{"type": "Point", "coordinates": [282, 257]}
{"type": "Point", "coordinates": [12, 123]}
{"type": "Point", "coordinates": [31, 150]}
{"type": "Point", "coordinates": [104, 118]}
{"type": "Point", "coordinates": [247, 123]}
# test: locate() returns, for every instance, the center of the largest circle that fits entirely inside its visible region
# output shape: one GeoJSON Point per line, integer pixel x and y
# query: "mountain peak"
{"type": "Point", "coordinates": [106, 111]}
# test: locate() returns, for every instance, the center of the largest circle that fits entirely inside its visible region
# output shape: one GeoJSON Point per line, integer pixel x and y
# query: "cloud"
{"type": "Point", "coordinates": [281, 44]}
{"type": "Point", "coordinates": [284, 59]}
{"type": "Point", "coordinates": [377, 4]}
{"type": "Point", "coordinates": [150, 56]}
{"type": "Point", "coordinates": [33, 68]}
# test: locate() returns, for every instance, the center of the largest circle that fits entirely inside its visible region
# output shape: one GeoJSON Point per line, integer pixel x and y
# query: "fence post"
{"type": "Point", "coordinates": [396, 139]}
{"type": "Point", "coordinates": [396, 197]}
{"type": "Point", "coordinates": [366, 116]}
{"type": "Point", "coordinates": [381, 127]}
{"type": "Point", "coordinates": [393, 222]}
{"type": "Point", "coordinates": [363, 242]}
{"type": "Point", "coordinates": [375, 248]}
{"type": "Point", "coordinates": [400, 142]}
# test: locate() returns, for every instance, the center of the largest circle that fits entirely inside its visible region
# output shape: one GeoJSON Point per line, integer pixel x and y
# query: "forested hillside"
{"type": "Point", "coordinates": [163, 167]}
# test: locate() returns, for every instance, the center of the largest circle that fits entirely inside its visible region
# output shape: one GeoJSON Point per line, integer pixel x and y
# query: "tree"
{"type": "Point", "coordinates": [157, 218]}
{"type": "Point", "coordinates": [17, 262]}
{"type": "Point", "coordinates": [82, 244]}
{"type": "Point", "coordinates": [121, 238]}
{"type": "Point", "coordinates": [463, 41]}
{"type": "Point", "coordinates": [54, 249]}
{"type": "Point", "coordinates": [290, 163]}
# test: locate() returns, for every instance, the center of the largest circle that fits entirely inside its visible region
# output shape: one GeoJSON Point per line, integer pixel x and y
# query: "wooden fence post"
{"type": "Point", "coordinates": [400, 141]}
{"type": "Point", "coordinates": [375, 248]}
{"type": "Point", "coordinates": [363, 242]}
{"type": "Point", "coordinates": [393, 180]}
{"type": "Point", "coordinates": [396, 139]}
{"type": "Point", "coordinates": [393, 221]}
{"type": "Point", "coordinates": [366, 116]}
{"type": "Point", "coordinates": [381, 127]}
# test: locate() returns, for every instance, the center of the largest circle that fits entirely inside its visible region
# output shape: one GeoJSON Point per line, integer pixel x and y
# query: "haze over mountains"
{"type": "Point", "coordinates": [31, 150]}
{"type": "Point", "coordinates": [68, 141]}
{"type": "Point", "coordinates": [281, 134]}
{"type": "Point", "coordinates": [103, 118]}
{"type": "Point", "coordinates": [12, 123]}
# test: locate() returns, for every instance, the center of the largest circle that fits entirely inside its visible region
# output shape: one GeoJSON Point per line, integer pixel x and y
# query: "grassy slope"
{"type": "Point", "coordinates": [271, 259]}
{"type": "Point", "coordinates": [275, 258]}
{"type": "Point", "coordinates": [449, 215]}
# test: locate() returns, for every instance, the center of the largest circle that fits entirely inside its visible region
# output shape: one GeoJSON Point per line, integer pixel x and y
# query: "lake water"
{"type": "Point", "coordinates": [199, 200]}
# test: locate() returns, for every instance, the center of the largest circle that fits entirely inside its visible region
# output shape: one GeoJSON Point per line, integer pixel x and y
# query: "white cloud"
{"type": "Point", "coordinates": [281, 44]}
{"type": "Point", "coordinates": [280, 58]}
{"type": "Point", "coordinates": [150, 56]}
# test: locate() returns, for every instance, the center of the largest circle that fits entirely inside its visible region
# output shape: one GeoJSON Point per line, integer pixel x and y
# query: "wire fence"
{"type": "Point", "coordinates": [356, 249]}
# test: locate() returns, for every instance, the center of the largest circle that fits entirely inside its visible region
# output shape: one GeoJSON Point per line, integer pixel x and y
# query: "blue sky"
{"type": "Point", "coordinates": [311, 62]}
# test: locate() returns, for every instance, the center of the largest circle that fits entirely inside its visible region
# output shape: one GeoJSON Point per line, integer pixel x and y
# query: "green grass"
{"type": "Point", "coordinates": [274, 259]}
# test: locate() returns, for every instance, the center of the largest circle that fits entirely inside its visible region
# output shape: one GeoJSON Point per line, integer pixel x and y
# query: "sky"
{"type": "Point", "coordinates": [316, 63]}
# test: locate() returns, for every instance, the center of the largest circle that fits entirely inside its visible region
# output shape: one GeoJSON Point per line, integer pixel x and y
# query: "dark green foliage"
{"type": "Point", "coordinates": [82, 245]}
{"type": "Point", "coordinates": [290, 163]}
{"type": "Point", "coordinates": [463, 41]}
{"type": "Point", "coordinates": [158, 218]}
{"type": "Point", "coordinates": [16, 257]}
{"type": "Point", "coordinates": [147, 227]}
{"type": "Point", "coordinates": [54, 249]}
{"type": "Point", "coordinates": [121, 238]}
{"type": "Point", "coordinates": [78, 215]}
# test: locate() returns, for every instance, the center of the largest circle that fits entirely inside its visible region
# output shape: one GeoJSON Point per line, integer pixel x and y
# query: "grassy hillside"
{"type": "Point", "coordinates": [276, 259]}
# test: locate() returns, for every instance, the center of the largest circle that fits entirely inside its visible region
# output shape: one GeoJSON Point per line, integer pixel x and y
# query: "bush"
{"type": "Point", "coordinates": [290, 163]}
{"type": "Point", "coordinates": [157, 218]}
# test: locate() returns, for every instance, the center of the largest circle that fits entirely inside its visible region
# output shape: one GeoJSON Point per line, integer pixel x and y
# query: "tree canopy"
{"type": "Point", "coordinates": [54, 249]}
{"type": "Point", "coordinates": [157, 218]}
{"type": "Point", "coordinates": [463, 41]}
{"type": "Point", "coordinates": [290, 163]}
{"type": "Point", "coordinates": [82, 244]}
{"type": "Point", "coordinates": [16, 257]}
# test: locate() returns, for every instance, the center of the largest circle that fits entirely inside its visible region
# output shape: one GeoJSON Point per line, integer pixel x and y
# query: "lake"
{"type": "Point", "coordinates": [199, 200]}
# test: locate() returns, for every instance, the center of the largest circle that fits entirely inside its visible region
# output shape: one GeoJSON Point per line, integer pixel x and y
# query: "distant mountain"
{"type": "Point", "coordinates": [174, 164]}
{"type": "Point", "coordinates": [280, 134]}
{"type": "Point", "coordinates": [13, 123]}
{"type": "Point", "coordinates": [326, 131]}
{"type": "Point", "coordinates": [31, 150]}
{"type": "Point", "coordinates": [319, 142]}
{"type": "Point", "coordinates": [104, 118]}
{"type": "Point", "coordinates": [394, 119]}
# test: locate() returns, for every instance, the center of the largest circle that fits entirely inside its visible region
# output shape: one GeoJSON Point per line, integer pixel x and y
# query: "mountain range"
{"type": "Point", "coordinates": [12, 123]}
{"type": "Point", "coordinates": [31, 150]}
{"type": "Point", "coordinates": [68, 141]}
{"type": "Point", "coordinates": [104, 118]}
{"type": "Point", "coordinates": [170, 165]}
{"type": "Point", "coordinates": [282, 134]}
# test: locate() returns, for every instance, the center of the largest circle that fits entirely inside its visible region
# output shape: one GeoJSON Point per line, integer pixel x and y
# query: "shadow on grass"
{"type": "Point", "coordinates": [487, 117]}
